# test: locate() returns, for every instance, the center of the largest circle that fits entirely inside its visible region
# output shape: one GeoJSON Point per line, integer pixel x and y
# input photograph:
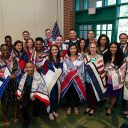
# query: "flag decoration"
{"type": "Point", "coordinates": [51, 76]}
{"type": "Point", "coordinates": [73, 77]}
{"type": "Point", "coordinates": [55, 31]}
{"type": "Point", "coordinates": [38, 88]}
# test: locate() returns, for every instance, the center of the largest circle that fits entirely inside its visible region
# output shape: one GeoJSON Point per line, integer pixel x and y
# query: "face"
{"type": "Point", "coordinates": [93, 48]}
{"type": "Point", "coordinates": [30, 69]}
{"type": "Point", "coordinates": [26, 36]}
{"type": "Point", "coordinates": [30, 44]}
{"type": "Point", "coordinates": [73, 50]}
{"type": "Point", "coordinates": [19, 47]}
{"type": "Point", "coordinates": [90, 35]}
{"type": "Point", "coordinates": [72, 34]}
{"type": "Point", "coordinates": [123, 39]}
{"type": "Point", "coordinates": [103, 41]}
{"type": "Point", "coordinates": [82, 44]}
{"type": "Point", "coordinates": [5, 51]}
{"type": "Point", "coordinates": [48, 34]}
{"type": "Point", "coordinates": [59, 41]}
{"type": "Point", "coordinates": [54, 51]}
{"type": "Point", "coordinates": [38, 45]}
{"type": "Point", "coordinates": [8, 42]}
{"type": "Point", "coordinates": [113, 48]}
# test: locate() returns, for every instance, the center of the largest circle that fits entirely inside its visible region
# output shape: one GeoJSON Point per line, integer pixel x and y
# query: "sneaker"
{"type": "Point", "coordinates": [69, 111]}
{"type": "Point", "coordinates": [6, 124]}
{"type": "Point", "coordinates": [76, 110]}
{"type": "Point", "coordinates": [92, 112]}
{"type": "Point", "coordinates": [87, 110]}
{"type": "Point", "coordinates": [55, 114]}
{"type": "Point", "coordinates": [51, 117]}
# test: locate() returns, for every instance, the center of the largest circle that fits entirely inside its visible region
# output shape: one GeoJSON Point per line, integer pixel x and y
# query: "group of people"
{"type": "Point", "coordinates": [44, 72]}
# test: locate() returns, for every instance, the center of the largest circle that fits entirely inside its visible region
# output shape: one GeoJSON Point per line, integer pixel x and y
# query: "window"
{"type": "Point", "coordinates": [111, 2]}
{"type": "Point", "coordinates": [81, 5]}
{"type": "Point", "coordinates": [124, 1]}
{"type": "Point", "coordinates": [100, 29]}
{"type": "Point", "coordinates": [123, 10]}
{"type": "Point", "coordinates": [83, 30]}
{"type": "Point", "coordinates": [104, 29]}
{"type": "Point", "coordinates": [112, 21]}
{"type": "Point", "coordinates": [123, 18]}
{"type": "Point", "coordinates": [122, 27]}
{"type": "Point", "coordinates": [99, 3]}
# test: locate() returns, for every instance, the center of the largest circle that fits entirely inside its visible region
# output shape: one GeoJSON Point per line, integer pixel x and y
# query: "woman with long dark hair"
{"type": "Point", "coordinates": [83, 47]}
{"type": "Point", "coordinates": [103, 43]}
{"type": "Point", "coordinates": [54, 54]}
{"type": "Point", "coordinates": [20, 54]}
{"type": "Point", "coordinates": [51, 70]}
{"type": "Point", "coordinates": [115, 69]}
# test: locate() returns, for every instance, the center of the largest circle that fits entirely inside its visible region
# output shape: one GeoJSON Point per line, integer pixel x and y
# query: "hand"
{"type": "Point", "coordinates": [19, 97]}
{"type": "Point", "coordinates": [12, 77]}
{"type": "Point", "coordinates": [126, 84]}
{"type": "Point", "coordinates": [33, 98]}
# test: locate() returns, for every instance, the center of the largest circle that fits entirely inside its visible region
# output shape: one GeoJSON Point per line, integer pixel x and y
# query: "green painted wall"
{"type": "Point", "coordinates": [103, 15]}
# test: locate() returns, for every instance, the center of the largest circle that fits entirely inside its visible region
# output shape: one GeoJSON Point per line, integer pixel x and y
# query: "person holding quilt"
{"type": "Point", "coordinates": [72, 84]}
{"type": "Point", "coordinates": [115, 68]}
{"type": "Point", "coordinates": [94, 78]}
{"type": "Point", "coordinates": [31, 90]}
{"type": "Point", "coordinates": [51, 72]}
{"type": "Point", "coordinates": [8, 72]}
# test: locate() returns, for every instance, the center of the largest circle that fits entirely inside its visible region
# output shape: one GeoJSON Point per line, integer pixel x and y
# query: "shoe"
{"type": "Point", "coordinates": [51, 117]}
{"type": "Point", "coordinates": [87, 111]}
{"type": "Point", "coordinates": [76, 110]}
{"type": "Point", "coordinates": [69, 111]}
{"type": "Point", "coordinates": [55, 114]}
{"type": "Point", "coordinates": [125, 113]}
{"type": "Point", "coordinates": [91, 112]}
{"type": "Point", "coordinates": [6, 124]}
{"type": "Point", "coordinates": [108, 114]}
{"type": "Point", "coordinates": [126, 116]}
{"type": "Point", "coordinates": [15, 121]}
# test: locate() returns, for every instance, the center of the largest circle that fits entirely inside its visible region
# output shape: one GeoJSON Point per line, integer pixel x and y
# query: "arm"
{"type": "Point", "coordinates": [15, 70]}
{"type": "Point", "coordinates": [126, 77]}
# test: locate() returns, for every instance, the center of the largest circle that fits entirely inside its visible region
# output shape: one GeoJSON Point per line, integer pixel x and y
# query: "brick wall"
{"type": "Point", "coordinates": [68, 17]}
